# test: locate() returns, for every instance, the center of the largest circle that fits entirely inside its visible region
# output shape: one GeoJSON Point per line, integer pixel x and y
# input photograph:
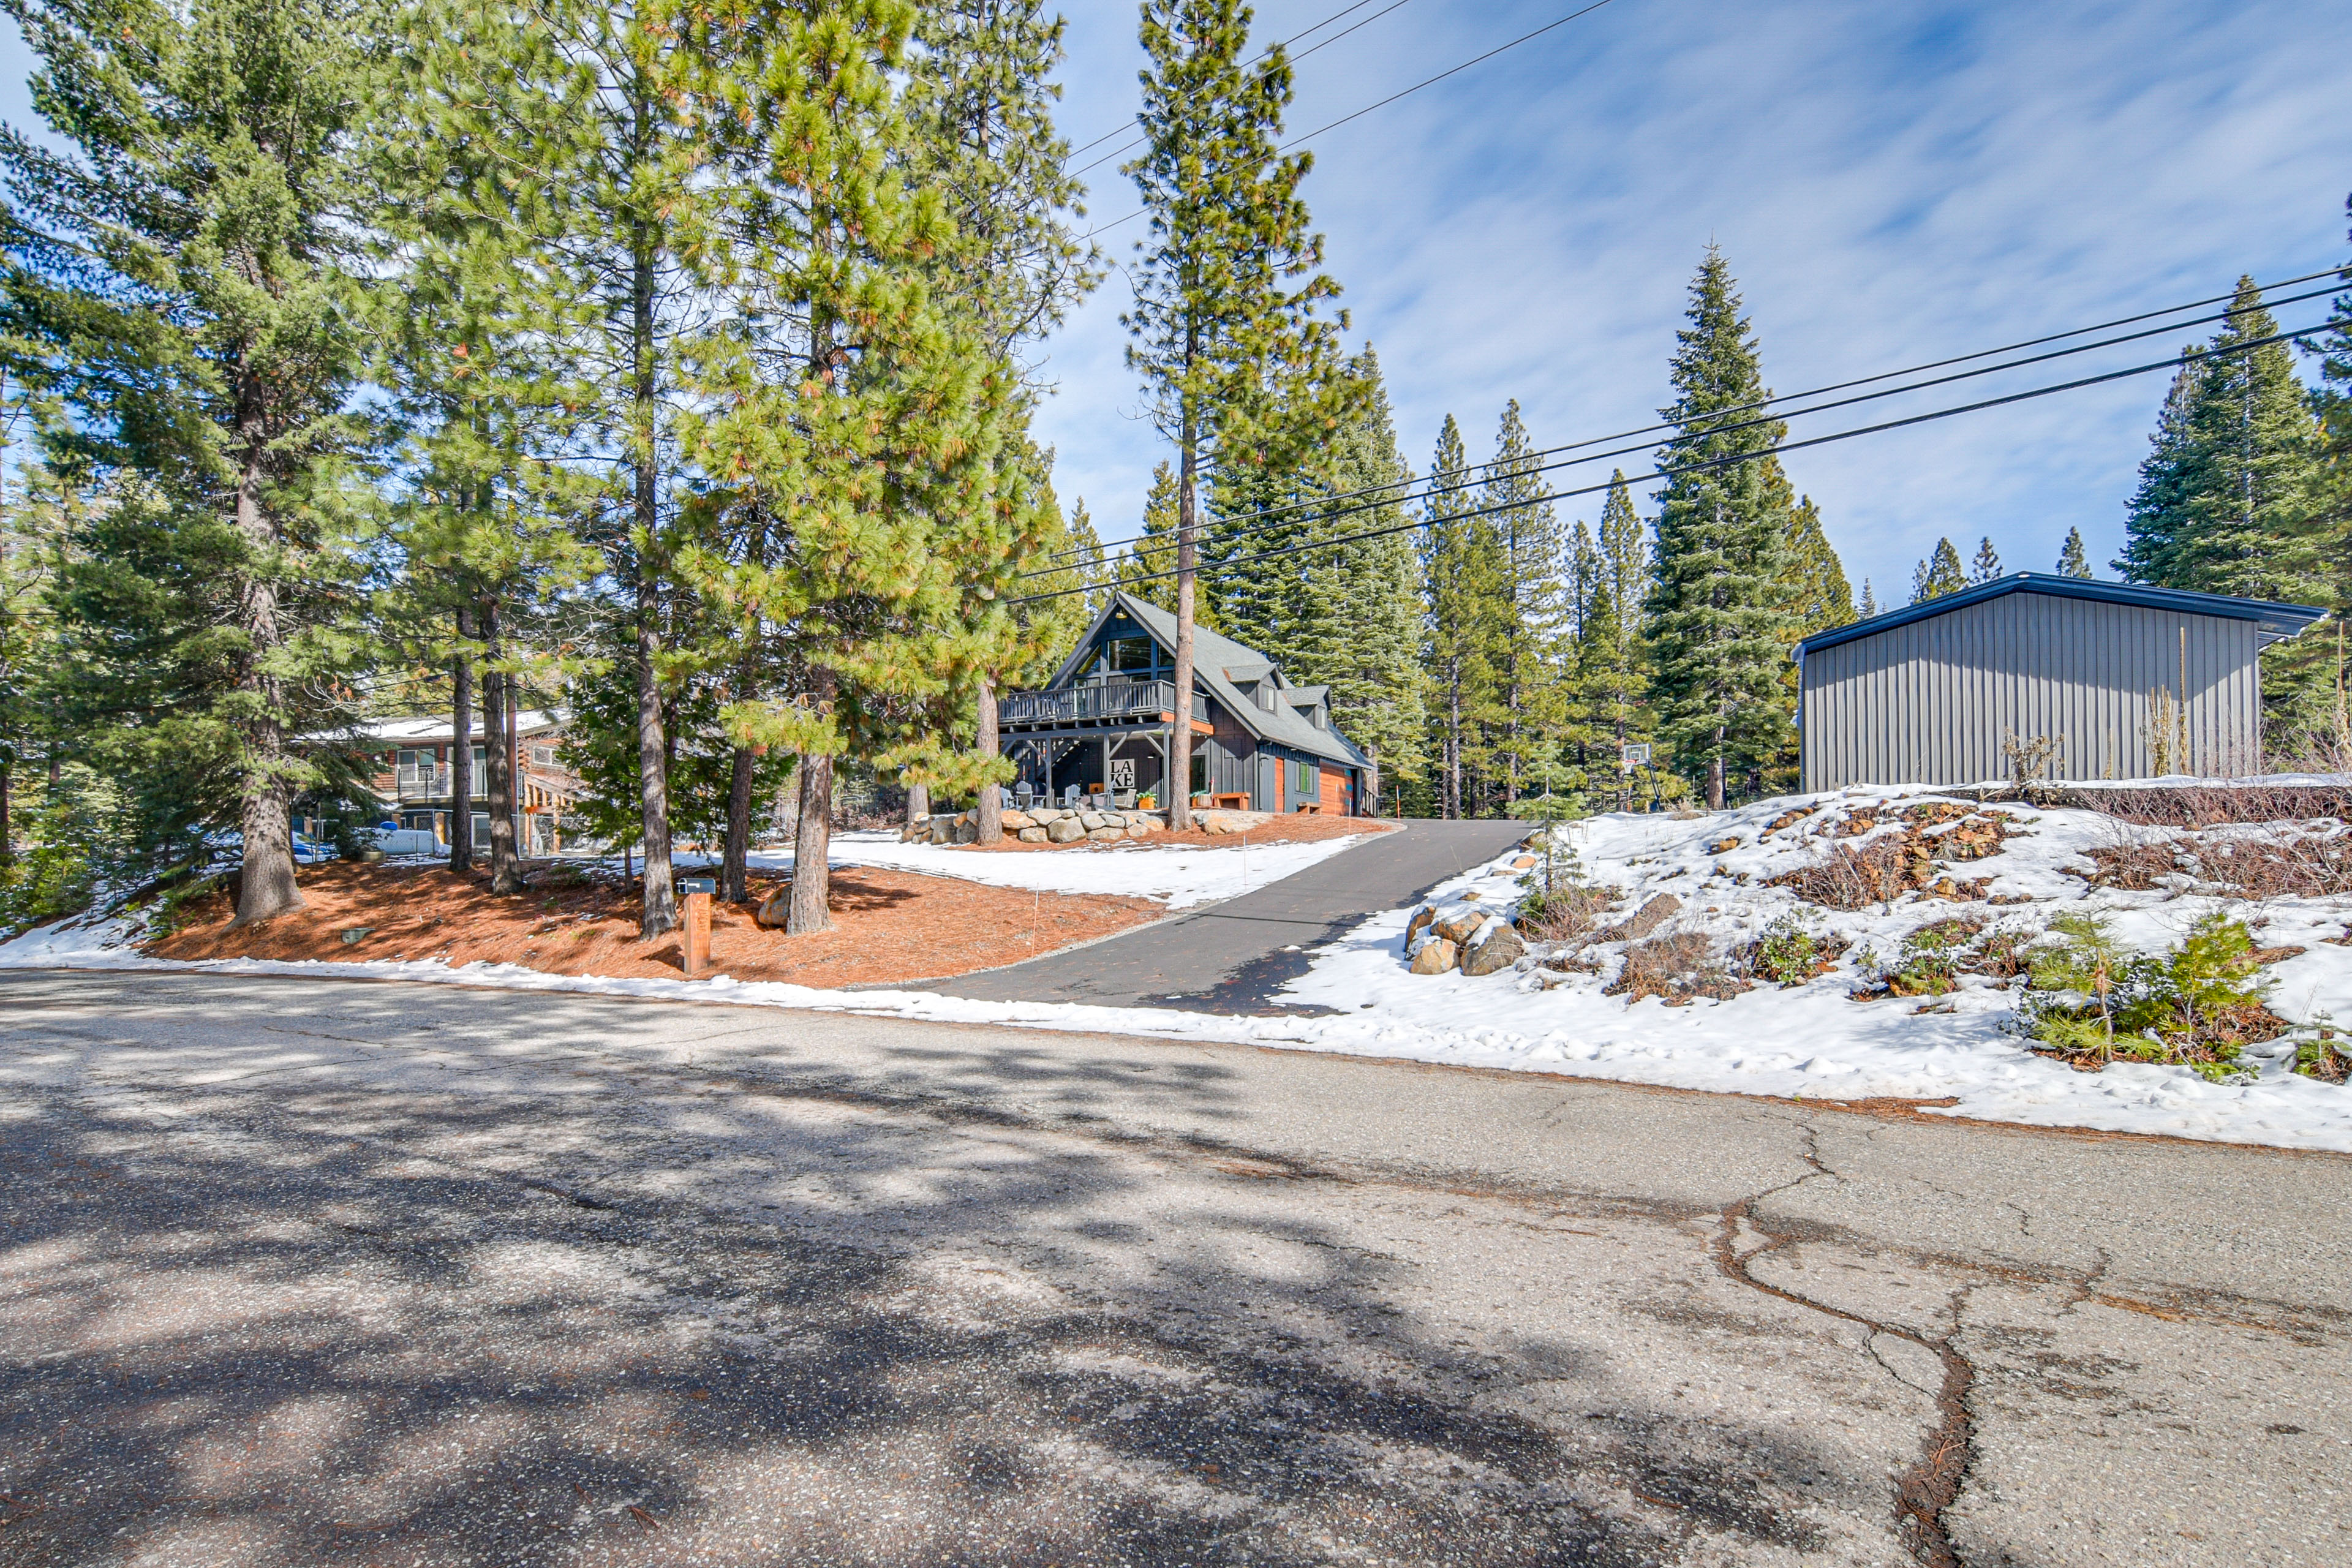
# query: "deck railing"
{"type": "Point", "coordinates": [1106, 700]}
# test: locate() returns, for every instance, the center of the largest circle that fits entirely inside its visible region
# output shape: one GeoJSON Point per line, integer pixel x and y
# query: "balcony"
{"type": "Point", "coordinates": [1137, 703]}
{"type": "Point", "coordinates": [423, 782]}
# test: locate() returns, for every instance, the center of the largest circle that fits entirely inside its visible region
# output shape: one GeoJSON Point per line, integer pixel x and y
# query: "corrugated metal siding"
{"type": "Point", "coordinates": [1928, 702]}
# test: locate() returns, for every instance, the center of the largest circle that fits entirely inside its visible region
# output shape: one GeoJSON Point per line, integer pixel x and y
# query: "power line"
{"type": "Point", "coordinates": [1700, 465]}
{"type": "Point", "coordinates": [1271, 517]}
{"type": "Point", "coordinates": [1360, 4]}
{"type": "Point", "coordinates": [1441, 76]}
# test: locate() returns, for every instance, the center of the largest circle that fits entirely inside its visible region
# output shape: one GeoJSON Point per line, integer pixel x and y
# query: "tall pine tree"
{"type": "Point", "coordinates": [1939, 574]}
{"type": "Point", "coordinates": [1462, 565]}
{"type": "Point", "coordinates": [1719, 626]}
{"type": "Point", "coordinates": [2073, 560]}
{"type": "Point", "coordinates": [1531, 613]}
{"type": "Point", "coordinates": [1238, 365]}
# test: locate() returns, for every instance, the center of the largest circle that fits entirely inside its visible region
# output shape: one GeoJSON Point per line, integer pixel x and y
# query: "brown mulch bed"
{"type": "Point", "coordinates": [1298, 827]}
{"type": "Point", "coordinates": [891, 926]}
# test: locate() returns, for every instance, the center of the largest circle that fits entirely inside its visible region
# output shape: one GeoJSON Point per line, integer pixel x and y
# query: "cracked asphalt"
{"type": "Point", "coordinates": [328, 1272]}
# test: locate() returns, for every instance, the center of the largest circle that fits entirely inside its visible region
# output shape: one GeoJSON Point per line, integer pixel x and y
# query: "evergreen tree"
{"type": "Point", "coordinates": [1145, 563]}
{"type": "Point", "coordinates": [1987, 565]}
{"type": "Point", "coordinates": [2073, 560]}
{"type": "Point", "coordinates": [1818, 596]}
{"type": "Point", "coordinates": [1530, 612]}
{"type": "Point", "coordinates": [1237, 362]}
{"type": "Point", "coordinates": [178, 285]}
{"type": "Point", "coordinates": [1720, 629]}
{"type": "Point", "coordinates": [1612, 672]}
{"type": "Point", "coordinates": [2226, 501]}
{"type": "Point", "coordinates": [1462, 565]}
{"type": "Point", "coordinates": [1869, 606]}
{"type": "Point", "coordinates": [1938, 575]}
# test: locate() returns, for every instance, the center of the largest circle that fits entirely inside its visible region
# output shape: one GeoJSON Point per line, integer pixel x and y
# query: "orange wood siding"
{"type": "Point", "coordinates": [1331, 790]}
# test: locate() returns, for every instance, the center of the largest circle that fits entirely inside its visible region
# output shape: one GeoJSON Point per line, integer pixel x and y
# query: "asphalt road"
{"type": "Point", "coordinates": [1232, 957]}
{"type": "Point", "coordinates": [317, 1272]}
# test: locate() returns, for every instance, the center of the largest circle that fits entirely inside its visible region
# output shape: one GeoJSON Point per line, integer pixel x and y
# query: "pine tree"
{"type": "Point", "coordinates": [2226, 501]}
{"type": "Point", "coordinates": [1462, 562]}
{"type": "Point", "coordinates": [1987, 565]}
{"type": "Point", "coordinates": [1719, 631]}
{"type": "Point", "coordinates": [2073, 560]}
{"type": "Point", "coordinates": [849, 411]}
{"type": "Point", "coordinates": [1145, 563]}
{"type": "Point", "coordinates": [1361, 623]}
{"type": "Point", "coordinates": [1938, 575]}
{"type": "Point", "coordinates": [181, 288]}
{"type": "Point", "coordinates": [1869, 606]}
{"type": "Point", "coordinates": [1235, 358]}
{"type": "Point", "coordinates": [1612, 671]}
{"type": "Point", "coordinates": [1531, 617]}
{"type": "Point", "coordinates": [1818, 596]}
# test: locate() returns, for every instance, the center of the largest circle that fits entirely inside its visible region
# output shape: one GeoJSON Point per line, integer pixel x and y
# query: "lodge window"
{"type": "Point", "coordinates": [1303, 777]}
{"type": "Point", "coordinates": [1131, 656]}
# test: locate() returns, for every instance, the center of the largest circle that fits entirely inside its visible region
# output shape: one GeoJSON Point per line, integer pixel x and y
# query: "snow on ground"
{"type": "Point", "coordinates": [1178, 875]}
{"type": "Point", "coordinates": [1813, 1041]}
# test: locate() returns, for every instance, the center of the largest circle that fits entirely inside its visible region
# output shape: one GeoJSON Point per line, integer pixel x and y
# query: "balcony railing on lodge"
{"type": "Point", "coordinates": [1102, 700]}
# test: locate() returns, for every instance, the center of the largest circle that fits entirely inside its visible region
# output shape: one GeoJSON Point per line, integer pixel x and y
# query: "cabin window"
{"type": "Point", "coordinates": [1303, 777]}
{"type": "Point", "coordinates": [1199, 772]}
{"type": "Point", "coordinates": [1129, 655]}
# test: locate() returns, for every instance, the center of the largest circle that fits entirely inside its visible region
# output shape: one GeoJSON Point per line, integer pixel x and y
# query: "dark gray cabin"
{"type": "Point", "coordinates": [1928, 693]}
{"type": "Point", "coordinates": [1258, 740]}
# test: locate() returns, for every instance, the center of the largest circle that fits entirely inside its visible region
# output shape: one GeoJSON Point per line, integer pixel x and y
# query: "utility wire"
{"type": "Point", "coordinates": [1133, 119]}
{"type": "Point", "coordinates": [1441, 76]}
{"type": "Point", "coordinates": [1271, 516]}
{"type": "Point", "coordinates": [1701, 466]}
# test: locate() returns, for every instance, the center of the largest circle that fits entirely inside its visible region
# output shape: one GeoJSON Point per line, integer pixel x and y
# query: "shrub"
{"type": "Point", "coordinates": [1929, 962]}
{"type": "Point", "coordinates": [1676, 966]}
{"type": "Point", "coordinates": [1788, 952]}
{"type": "Point", "coordinates": [2092, 1001]}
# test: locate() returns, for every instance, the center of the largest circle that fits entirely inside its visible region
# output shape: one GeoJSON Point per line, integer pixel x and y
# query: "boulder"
{"type": "Point", "coordinates": [1143, 822]}
{"type": "Point", "coordinates": [943, 828]}
{"type": "Point", "coordinates": [1090, 820]}
{"type": "Point", "coordinates": [1434, 956]}
{"type": "Point", "coordinates": [1063, 829]}
{"type": "Point", "coordinates": [775, 910]}
{"type": "Point", "coordinates": [1108, 831]}
{"type": "Point", "coordinates": [1523, 862]}
{"type": "Point", "coordinates": [1458, 926]}
{"type": "Point", "coordinates": [1031, 836]}
{"type": "Point", "coordinates": [1420, 923]}
{"type": "Point", "coordinates": [967, 830]}
{"type": "Point", "coordinates": [1015, 821]}
{"type": "Point", "coordinates": [1496, 946]}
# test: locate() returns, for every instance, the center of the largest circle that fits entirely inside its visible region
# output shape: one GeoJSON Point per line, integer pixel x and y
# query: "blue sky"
{"type": "Point", "coordinates": [1891, 184]}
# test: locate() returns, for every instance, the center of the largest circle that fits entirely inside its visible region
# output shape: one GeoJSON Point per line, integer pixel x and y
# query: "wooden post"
{"type": "Point", "coordinates": [696, 946]}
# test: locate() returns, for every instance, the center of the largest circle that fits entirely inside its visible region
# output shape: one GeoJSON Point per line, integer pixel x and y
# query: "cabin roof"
{"type": "Point", "coordinates": [2274, 620]}
{"type": "Point", "coordinates": [1219, 663]}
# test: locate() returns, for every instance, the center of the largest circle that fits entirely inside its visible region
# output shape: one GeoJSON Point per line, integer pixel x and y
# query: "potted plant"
{"type": "Point", "coordinates": [1147, 801]}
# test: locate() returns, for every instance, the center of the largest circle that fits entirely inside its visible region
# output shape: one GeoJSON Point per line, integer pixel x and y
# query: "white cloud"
{"type": "Point", "coordinates": [1891, 184]}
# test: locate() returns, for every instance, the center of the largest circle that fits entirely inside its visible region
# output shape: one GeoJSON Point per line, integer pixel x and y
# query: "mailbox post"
{"type": "Point", "coordinates": [699, 892]}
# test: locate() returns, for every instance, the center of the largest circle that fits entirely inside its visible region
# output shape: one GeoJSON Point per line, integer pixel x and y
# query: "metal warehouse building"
{"type": "Point", "coordinates": [1924, 694]}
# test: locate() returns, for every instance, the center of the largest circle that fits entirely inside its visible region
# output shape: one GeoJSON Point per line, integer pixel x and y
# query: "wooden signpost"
{"type": "Point", "coordinates": [699, 894]}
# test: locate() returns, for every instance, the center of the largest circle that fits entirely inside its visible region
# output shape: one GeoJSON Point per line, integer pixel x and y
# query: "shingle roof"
{"type": "Point", "coordinates": [2276, 621]}
{"type": "Point", "coordinates": [1215, 661]}
{"type": "Point", "coordinates": [427, 732]}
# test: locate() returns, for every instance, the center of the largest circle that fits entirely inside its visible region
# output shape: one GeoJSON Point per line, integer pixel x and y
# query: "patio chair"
{"type": "Point", "coordinates": [1122, 799]}
{"type": "Point", "coordinates": [1069, 795]}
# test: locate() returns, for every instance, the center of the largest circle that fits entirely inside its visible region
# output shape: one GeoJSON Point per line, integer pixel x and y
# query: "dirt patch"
{"type": "Point", "coordinates": [1298, 827]}
{"type": "Point", "coordinates": [891, 926]}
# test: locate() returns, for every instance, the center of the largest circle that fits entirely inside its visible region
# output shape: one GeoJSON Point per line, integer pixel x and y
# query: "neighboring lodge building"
{"type": "Point", "coordinates": [1258, 741]}
{"type": "Point", "coordinates": [413, 782]}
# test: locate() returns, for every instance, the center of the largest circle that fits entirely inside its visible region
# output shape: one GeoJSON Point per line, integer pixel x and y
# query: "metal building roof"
{"type": "Point", "coordinates": [2275, 621]}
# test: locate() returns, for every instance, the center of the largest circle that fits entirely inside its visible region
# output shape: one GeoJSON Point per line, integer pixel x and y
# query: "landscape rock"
{"type": "Point", "coordinates": [775, 910]}
{"type": "Point", "coordinates": [967, 829]}
{"type": "Point", "coordinates": [943, 829]}
{"type": "Point", "coordinates": [1063, 829]}
{"type": "Point", "coordinates": [1090, 820]}
{"type": "Point", "coordinates": [1420, 923]}
{"type": "Point", "coordinates": [1043, 815]}
{"type": "Point", "coordinates": [1523, 862]}
{"type": "Point", "coordinates": [1031, 836]}
{"type": "Point", "coordinates": [1108, 831]}
{"type": "Point", "coordinates": [1434, 957]}
{"type": "Point", "coordinates": [1015, 821]}
{"type": "Point", "coordinates": [1497, 947]}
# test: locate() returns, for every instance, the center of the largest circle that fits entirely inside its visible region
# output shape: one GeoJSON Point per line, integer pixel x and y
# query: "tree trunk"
{"type": "Point", "coordinates": [461, 754]}
{"type": "Point", "coordinates": [498, 762]}
{"type": "Point", "coordinates": [809, 910]}
{"type": "Point", "coordinates": [265, 886]}
{"type": "Point", "coordinates": [1179, 732]}
{"type": "Point", "coordinates": [659, 915]}
{"type": "Point", "coordinates": [735, 862]}
{"type": "Point", "coordinates": [1714, 781]}
{"type": "Point", "coordinates": [918, 802]}
{"type": "Point", "coordinates": [989, 817]}
{"type": "Point", "coordinates": [8, 842]}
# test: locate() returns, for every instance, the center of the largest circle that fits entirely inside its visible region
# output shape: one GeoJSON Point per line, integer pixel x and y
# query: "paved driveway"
{"type": "Point", "coordinates": [1232, 957]}
{"type": "Point", "coordinates": [316, 1272]}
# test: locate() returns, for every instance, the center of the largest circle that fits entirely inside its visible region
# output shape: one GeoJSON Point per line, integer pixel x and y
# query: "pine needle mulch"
{"type": "Point", "coordinates": [892, 927]}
